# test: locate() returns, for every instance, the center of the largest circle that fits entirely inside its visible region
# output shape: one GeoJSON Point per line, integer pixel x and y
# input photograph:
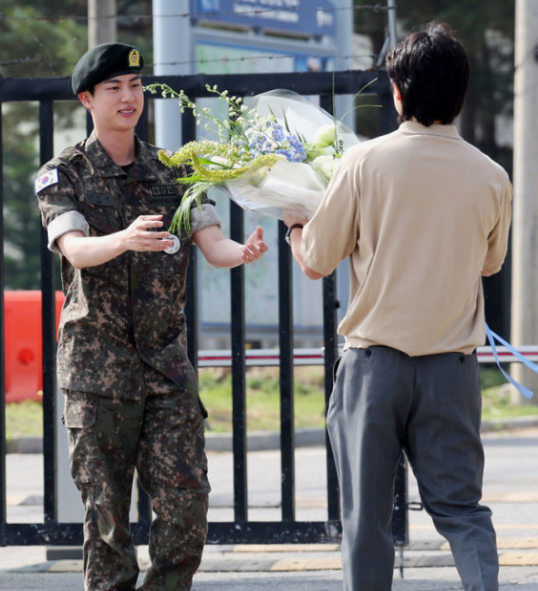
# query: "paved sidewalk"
{"type": "Point", "coordinates": [252, 577]}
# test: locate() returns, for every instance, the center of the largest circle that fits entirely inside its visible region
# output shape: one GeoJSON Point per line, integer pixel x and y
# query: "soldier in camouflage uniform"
{"type": "Point", "coordinates": [131, 397]}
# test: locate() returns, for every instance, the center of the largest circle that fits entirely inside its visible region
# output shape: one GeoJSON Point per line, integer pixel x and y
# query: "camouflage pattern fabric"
{"type": "Point", "coordinates": [163, 436]}
{"type": "Point", "coordinates": [124, 320]}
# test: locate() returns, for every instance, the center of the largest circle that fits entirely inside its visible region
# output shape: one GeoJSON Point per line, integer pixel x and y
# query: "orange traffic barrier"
{"type": "Point", "coordinates": [23, 344]}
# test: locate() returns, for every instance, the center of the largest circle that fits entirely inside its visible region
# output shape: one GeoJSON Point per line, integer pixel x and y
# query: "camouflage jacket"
{"type": "Point", "coordinates": [122, 326]}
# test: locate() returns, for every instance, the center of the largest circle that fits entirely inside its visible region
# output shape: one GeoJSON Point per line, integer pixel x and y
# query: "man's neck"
{"type": "Point", "coordinates": [120, 146]}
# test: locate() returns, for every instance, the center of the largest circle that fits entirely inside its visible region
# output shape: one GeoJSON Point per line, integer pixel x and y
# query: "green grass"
{"type": "Point", "coordinates": [262, 401]}
{"type": "Point", "coordinates": [263, 404]}
{"type": "Point", "coordinates": [24, 419]}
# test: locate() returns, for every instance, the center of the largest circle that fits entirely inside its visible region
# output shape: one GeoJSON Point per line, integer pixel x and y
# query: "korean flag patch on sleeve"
{"type": "Point", "coordinates": [46, 180]}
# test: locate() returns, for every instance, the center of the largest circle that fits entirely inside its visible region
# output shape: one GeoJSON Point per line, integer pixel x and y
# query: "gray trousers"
{"type": "Point", "coordinates": [384, 402]}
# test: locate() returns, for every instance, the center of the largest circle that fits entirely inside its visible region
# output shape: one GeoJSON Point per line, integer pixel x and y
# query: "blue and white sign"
{"type": "Point", "coordinates": [308, 17]}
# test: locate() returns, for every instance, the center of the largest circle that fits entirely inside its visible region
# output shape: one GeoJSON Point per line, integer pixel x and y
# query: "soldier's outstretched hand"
{"type": "Point", "coordinates": [255, 247]}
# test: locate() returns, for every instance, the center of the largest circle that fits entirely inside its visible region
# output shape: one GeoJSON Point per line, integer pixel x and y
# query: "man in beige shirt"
{"type": "Point", "coordinates": [421, 215]}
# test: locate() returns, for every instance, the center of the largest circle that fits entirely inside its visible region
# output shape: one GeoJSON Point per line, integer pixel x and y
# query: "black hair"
{"type": "Point", "coordinates": [431, 70]}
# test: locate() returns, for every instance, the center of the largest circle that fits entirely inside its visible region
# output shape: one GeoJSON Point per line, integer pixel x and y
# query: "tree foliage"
{"type": "Point", "coordinates": [30, 46]}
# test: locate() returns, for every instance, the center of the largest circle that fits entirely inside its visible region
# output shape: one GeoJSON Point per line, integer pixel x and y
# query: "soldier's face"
{"type": "Point", "coordinates": [116, 104]}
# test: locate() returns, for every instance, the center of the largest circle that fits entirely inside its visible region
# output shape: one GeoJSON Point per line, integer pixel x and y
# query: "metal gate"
{"type": "Point", "coordinates": [241, 530]}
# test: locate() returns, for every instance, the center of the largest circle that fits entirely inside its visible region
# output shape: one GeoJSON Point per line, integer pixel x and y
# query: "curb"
{"type": "Point", "coordinates": [265, 440]}
{"type": "Point", "coordinates": [509, 424]}
{"type": "Point", "coordinates": [256, 441]}
{"type": "Point", "coordinates": [289, 560]}
{"type": "Point", "coordinates": [270, 440]}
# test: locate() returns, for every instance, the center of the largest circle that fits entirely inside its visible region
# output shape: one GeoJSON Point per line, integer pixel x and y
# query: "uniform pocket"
{"type": "Point", "coordinates": [80, 410]}
{"type": "Point", "coordinates": [80, 416]}
{"type": "Point", "coordinates": [101, 213]}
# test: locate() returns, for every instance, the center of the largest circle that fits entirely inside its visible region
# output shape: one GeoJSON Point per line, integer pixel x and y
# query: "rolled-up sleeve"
{"type": "Point", "coordinates": [59, 210]}
{"type": "Point", "coordinates": [66, 222]}
{"type": "Point", "coordinates": [204, 216]}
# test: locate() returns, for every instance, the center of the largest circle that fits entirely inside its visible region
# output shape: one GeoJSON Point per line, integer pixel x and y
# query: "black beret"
{"type": "Point", "coordinates": [103, 62]}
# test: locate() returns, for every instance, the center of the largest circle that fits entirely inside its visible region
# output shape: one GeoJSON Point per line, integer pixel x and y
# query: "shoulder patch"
{"type": "Point", "coordinates": [46, 180]}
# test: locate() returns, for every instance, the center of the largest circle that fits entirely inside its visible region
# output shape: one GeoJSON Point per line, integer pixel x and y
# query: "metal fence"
{"type": "Point", "coordinates": [241, 529]}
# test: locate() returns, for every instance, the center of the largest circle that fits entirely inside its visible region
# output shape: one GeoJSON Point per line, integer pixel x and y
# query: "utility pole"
{"type": "Point", "coordinates": [393, 31]}
{"type": "Point", "coordinates": [344, 61]}
{"type": "Point", "coordinates": [172, 50]}
{"type": "Point", "coordinates": [102, 22]}
{"type": "Point", "coordinates": [525, 216]}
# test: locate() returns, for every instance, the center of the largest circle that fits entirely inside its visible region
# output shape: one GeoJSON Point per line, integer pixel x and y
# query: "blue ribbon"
{"type": "Point", "coordinates": [532, 366]}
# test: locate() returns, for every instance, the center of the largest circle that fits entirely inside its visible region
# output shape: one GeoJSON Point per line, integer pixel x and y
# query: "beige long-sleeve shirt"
{"type": "Point", "coordinates": [421, 214]}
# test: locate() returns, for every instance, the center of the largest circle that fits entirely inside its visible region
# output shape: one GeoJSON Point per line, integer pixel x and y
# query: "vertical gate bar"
{"type": "Point", "coordinates": [238, 372]}
{"type": "Point", "coordinates": [48, 309]}
{"type": "Point", "coordinates": [191, 309]}
{"type": "Point", "coordinates": [331, 353]}
{"type": "Point", "coordinates": [143, 504]}
{"type": "Point", "coordinates": [188, 133]}
{"type": "Point", "coordinates": [142, 126]}
{"type": "Point", "coordinates": [388, 117]}
{"type": "Point", "coordinates": [330, 342]}
{"type": "Point", "coordinates": [89, 123]}
{"type": "Point", "coordinates": [287, 414]}
{"type": "Point", "coordinates": [3, 490]}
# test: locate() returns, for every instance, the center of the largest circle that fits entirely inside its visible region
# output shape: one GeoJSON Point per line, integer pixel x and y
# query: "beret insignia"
{"type": "Point", "coordinates": [134, 58]}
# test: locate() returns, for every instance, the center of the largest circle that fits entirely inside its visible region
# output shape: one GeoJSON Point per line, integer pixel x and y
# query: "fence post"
{"type": "Point", "coordinates": [3, 489]}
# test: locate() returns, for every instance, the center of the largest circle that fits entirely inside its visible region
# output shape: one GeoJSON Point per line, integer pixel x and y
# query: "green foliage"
{"type": "Point", "coordinates": [33, 45]}
{"type": "Point", "coordinates": [42, 38]}
{"type": "Point", "coordinates": [21, 216]}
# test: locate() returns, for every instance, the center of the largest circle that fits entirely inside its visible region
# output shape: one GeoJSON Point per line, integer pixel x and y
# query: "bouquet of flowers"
{"type": "Point", "coordinates": [276, 155]}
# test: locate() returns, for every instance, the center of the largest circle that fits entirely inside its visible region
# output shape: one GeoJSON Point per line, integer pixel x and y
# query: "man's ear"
{"type": "Point", "coordinates": [396, 92]}
{"type": "Point", "coordinates": [84, 98]}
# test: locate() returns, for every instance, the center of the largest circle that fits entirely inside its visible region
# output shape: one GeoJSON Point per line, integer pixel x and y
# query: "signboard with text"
{"type": "Point", "coordinates": [306, 17]}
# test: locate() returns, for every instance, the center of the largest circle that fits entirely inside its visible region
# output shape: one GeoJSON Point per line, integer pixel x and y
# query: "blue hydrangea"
{"type": "Point", "coordinates": [268, 137]}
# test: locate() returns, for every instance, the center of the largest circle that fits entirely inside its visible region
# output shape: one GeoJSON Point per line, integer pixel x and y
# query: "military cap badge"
{"type": "Point", "coordinates": [134, 58]}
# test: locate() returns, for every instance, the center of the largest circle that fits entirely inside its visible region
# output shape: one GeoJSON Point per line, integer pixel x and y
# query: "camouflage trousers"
{"type": "Point", "coordinates": [163, 438]}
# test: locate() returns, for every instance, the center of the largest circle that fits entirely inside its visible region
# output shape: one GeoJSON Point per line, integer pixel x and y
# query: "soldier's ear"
{"type": "Point", "coordinates": [85, 98]}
